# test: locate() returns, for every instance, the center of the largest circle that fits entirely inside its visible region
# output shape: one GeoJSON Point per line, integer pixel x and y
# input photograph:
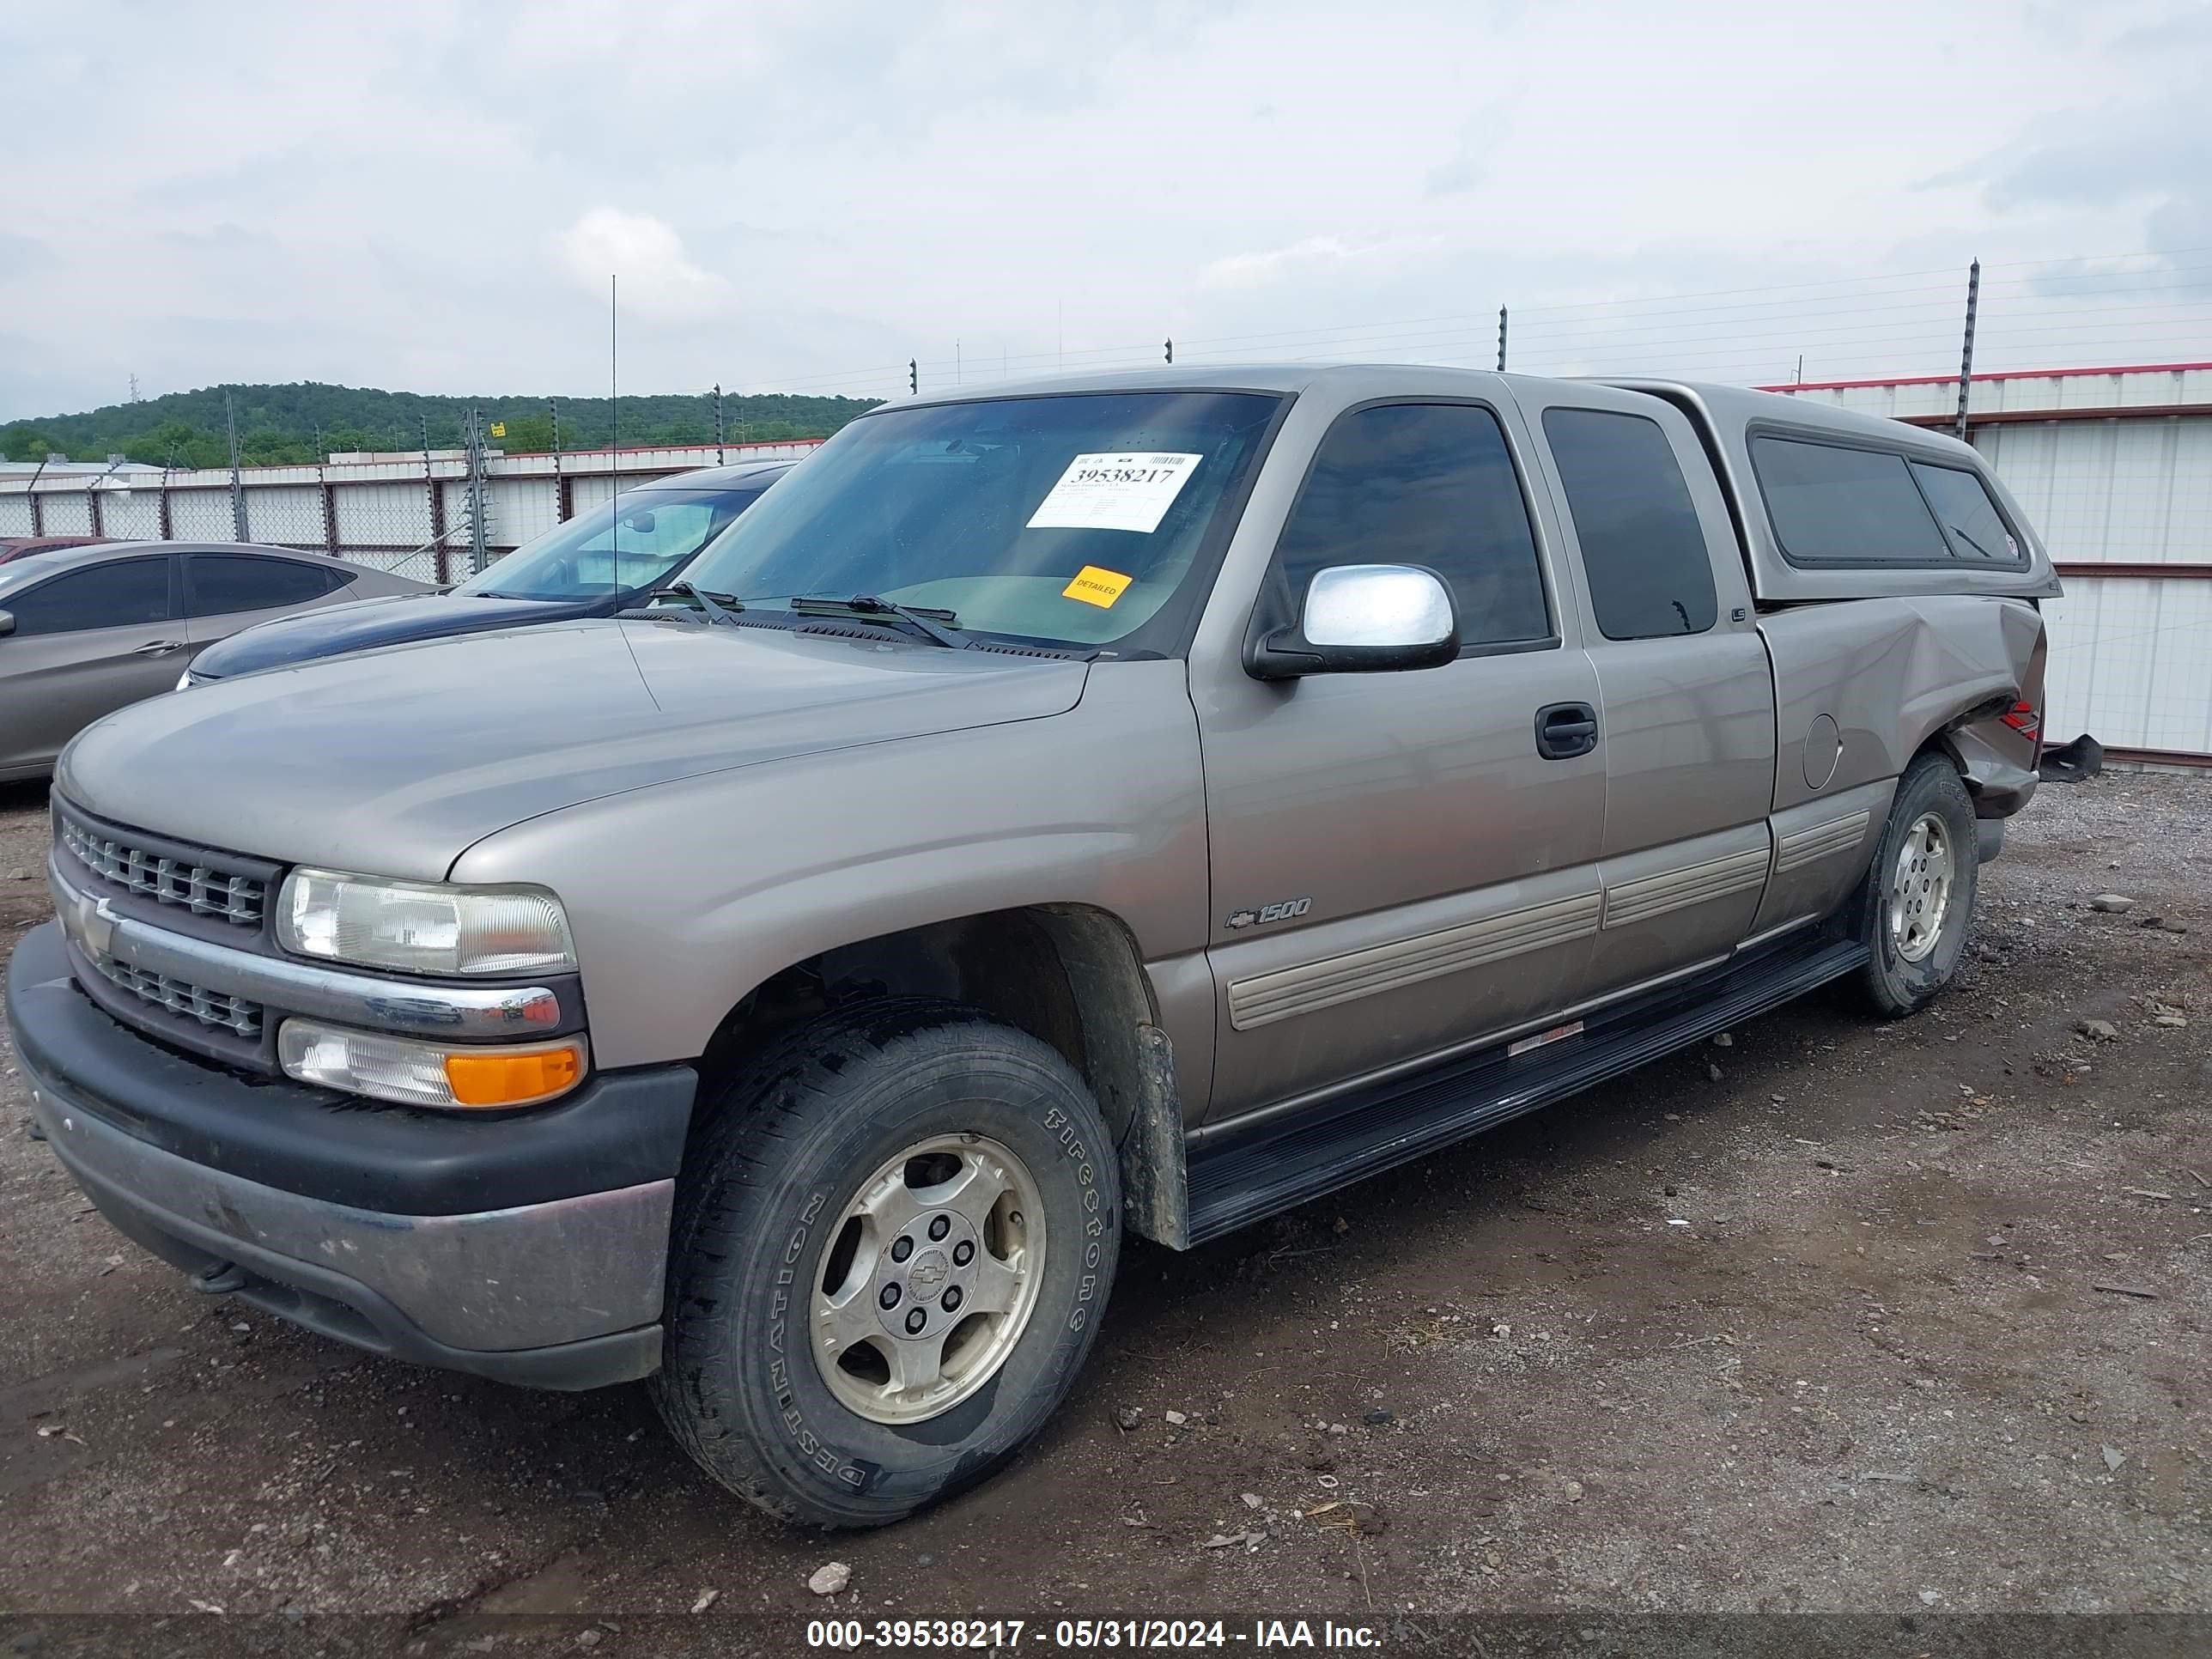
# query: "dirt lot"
{"type": "Point", "coordinates": [1834, 1316]}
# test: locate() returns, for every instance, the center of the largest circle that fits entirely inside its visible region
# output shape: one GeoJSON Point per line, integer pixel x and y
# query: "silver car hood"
{"type": "Point", "coordinates": [394, 761]}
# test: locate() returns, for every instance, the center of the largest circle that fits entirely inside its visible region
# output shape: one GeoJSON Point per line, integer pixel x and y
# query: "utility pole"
{"type": "Point", "coordinates": [134, 388]}
{"type": "Point", "coordinates": [955, 363]}
{"type": "Point", "coordinates": [912, 377]}
{"type": "Point", "coordinates": [1501, 339]}
{"type": "Point", "coordinates": [718, 423]}
{"type": "Point", "coordinates": [1966, 352]}
{"type": "Point", "coordinates": [1171, 344]}
{"type": "Point", "coordinates": [237, 483]}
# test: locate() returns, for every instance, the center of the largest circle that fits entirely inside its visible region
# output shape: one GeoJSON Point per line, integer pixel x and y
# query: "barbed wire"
{"type": "Point", "coordinates": [1875, 324]}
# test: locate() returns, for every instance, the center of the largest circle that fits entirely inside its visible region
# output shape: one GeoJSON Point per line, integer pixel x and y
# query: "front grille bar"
{"type": "Point", "coordinates": [205, 891]}
{"type": "Point", "coordinates": [209, 1007]}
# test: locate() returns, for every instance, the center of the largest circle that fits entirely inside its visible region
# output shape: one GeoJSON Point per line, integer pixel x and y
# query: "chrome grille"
{"type": "Point", "coordinates": [213, 1008]}
{"type": "Point", "coordinates": [204, 891]}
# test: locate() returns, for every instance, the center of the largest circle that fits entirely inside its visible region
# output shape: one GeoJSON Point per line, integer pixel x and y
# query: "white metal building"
{"type": "Point", "coordinates": [2114, 467]}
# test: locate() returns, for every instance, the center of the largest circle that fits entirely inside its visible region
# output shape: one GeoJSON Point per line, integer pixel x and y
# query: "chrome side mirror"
{"type": "Point", "coordinates": [1363, 618]}
{"type": "Point", "coordinates": [7, 622]}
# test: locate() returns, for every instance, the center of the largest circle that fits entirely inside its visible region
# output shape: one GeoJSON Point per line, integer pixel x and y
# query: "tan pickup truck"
{"type": "Point", "coordinates": [1132, 805]}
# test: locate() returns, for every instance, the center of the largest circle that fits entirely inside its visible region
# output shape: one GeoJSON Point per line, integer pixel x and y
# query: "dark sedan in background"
{"type": "Point", "coordinates": [85, 630]}
{"type": "Point", "coordinates": [594, 565]}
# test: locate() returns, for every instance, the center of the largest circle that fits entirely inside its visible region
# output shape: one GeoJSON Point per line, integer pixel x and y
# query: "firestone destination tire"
{"type": "Point", "coordinates": [892, 1243]}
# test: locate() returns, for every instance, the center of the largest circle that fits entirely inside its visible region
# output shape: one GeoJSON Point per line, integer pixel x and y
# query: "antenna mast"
{"type": "Point", "coordinates": [614, 420]}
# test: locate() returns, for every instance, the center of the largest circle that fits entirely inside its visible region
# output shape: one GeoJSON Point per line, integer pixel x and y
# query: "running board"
{"type": "Point", "coordinates": [1248, 1176]}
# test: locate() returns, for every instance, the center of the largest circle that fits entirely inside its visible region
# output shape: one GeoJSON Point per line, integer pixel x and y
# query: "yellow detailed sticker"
{"type": "Point", "coordinates": [1094, 585]}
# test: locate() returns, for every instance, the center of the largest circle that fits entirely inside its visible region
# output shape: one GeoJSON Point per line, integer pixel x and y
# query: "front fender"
{"type": "Point", "coordinates": [684, 896]}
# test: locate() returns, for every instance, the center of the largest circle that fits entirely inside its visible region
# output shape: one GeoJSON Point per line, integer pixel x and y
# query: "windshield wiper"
{"type": "Point", "coordinates": [868, 607]}
{"type": "Point", "coordinates": [1959, 531]}
{"type": "Point", "coordinates": [718, 607]}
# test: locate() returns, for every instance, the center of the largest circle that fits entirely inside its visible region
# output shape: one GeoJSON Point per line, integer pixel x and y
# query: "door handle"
{"type": "Point", "coordinates": [157, 647]}
{"type": "Point", "coordinates": [1565, 730]}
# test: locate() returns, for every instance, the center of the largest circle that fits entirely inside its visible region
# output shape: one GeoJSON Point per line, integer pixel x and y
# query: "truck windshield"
{"type": "Point", "coordinates": [1067, 518]}
{"type": "Point", "coordinates": [632, 542]}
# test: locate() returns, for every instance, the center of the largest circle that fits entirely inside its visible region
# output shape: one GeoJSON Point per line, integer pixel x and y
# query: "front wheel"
{"type": "Point", "coordinates": [1917, 901]}
{"type": "Point", "coordinates": [892, 1244]}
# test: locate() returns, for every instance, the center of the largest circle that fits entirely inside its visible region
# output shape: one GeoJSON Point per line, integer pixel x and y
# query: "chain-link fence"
{"type": "Point", "coordinates": [433, 514]}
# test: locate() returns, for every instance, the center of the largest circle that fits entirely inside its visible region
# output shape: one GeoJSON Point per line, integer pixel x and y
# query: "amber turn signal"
{"type": "Point", "coordinates": [495, 1079]}
{"type": "Point", "coordinates": [428, 1074]}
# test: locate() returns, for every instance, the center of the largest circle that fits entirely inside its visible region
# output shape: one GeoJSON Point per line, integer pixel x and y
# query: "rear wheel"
{"type": "Point", "coordinates": [892, 1243]}
{"type": "Point", "coordinates": [1917, 901]}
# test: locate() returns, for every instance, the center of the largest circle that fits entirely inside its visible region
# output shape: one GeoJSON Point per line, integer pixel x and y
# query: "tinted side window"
{"type": "Point", "coordinates": [117, 595]}
{"type": "Point", "coordinates": [1969, 517]}
{"type": "Point", "coordinates": [1830, 505]}
{"type": "Point", "coordinates": [1644, 551]}
{"type": "Point", "coordinates": [216, 584]}
{"type": "Point", "coordinates": [1429, 484]}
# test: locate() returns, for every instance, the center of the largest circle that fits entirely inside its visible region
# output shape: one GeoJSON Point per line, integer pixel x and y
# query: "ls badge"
{"type": "Point", "coordinates": [1288, 910]}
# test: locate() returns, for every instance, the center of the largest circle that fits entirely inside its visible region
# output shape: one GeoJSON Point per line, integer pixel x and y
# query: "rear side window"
{"type": "Point", "coordinates": [1429, 484]}
{"type": "Point", "coordinates": [1962, 506]}
{"type": "Point", "coordinates": [1650, 573]}
{"type": "Point", "coordinates": [127, 592]}
{"type": "Point", "coordinates": [1830, 505]}
{"type": "Point", "coordinates": [217, 584]}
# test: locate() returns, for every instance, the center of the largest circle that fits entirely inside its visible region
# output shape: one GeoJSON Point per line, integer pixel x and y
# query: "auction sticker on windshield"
{"type": "Point", "coordinates": [1115, 492]}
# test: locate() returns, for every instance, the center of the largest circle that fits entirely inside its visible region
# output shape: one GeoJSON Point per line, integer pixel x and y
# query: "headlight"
{"type": "Point", "coordinates": [424, 1074]}
{"type": "Point", "coordinates": [423, 927]}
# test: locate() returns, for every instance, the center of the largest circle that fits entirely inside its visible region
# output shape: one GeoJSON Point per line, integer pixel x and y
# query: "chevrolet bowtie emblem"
{"type": "Point", "coordinates": [99, 928]}
{"type": "Point", "coordinates": [89, 920]}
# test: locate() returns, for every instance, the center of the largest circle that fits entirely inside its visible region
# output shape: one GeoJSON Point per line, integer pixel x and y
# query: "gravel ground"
{"type": "Point", "coordinates": [1812, 1319]}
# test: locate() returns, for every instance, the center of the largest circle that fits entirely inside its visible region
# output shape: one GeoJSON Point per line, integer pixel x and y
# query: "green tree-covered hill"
{"type": "Point", "coordinates": [299, 422]}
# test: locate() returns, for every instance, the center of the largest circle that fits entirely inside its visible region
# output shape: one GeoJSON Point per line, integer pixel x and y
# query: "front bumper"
{"type": "Point", "coordinates": [530, 1247]}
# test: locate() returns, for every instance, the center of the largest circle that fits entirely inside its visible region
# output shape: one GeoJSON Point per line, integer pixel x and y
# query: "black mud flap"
{"type": "Point", "coordinates": [1155, 1181]}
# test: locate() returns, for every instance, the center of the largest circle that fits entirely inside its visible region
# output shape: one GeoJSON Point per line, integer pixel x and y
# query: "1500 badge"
{"type": "Point", "coordinates": [1288, 910]}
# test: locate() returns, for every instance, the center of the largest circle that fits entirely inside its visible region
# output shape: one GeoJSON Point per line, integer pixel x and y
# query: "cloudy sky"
{"type": "Point", "coordinates": [801, 195]}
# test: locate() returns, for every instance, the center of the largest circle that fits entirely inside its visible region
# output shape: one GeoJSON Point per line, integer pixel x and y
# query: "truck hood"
{"type": "Point", "coordinates": [394, 761]}
{"type": "Point", "coordinates": [367, 624]}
